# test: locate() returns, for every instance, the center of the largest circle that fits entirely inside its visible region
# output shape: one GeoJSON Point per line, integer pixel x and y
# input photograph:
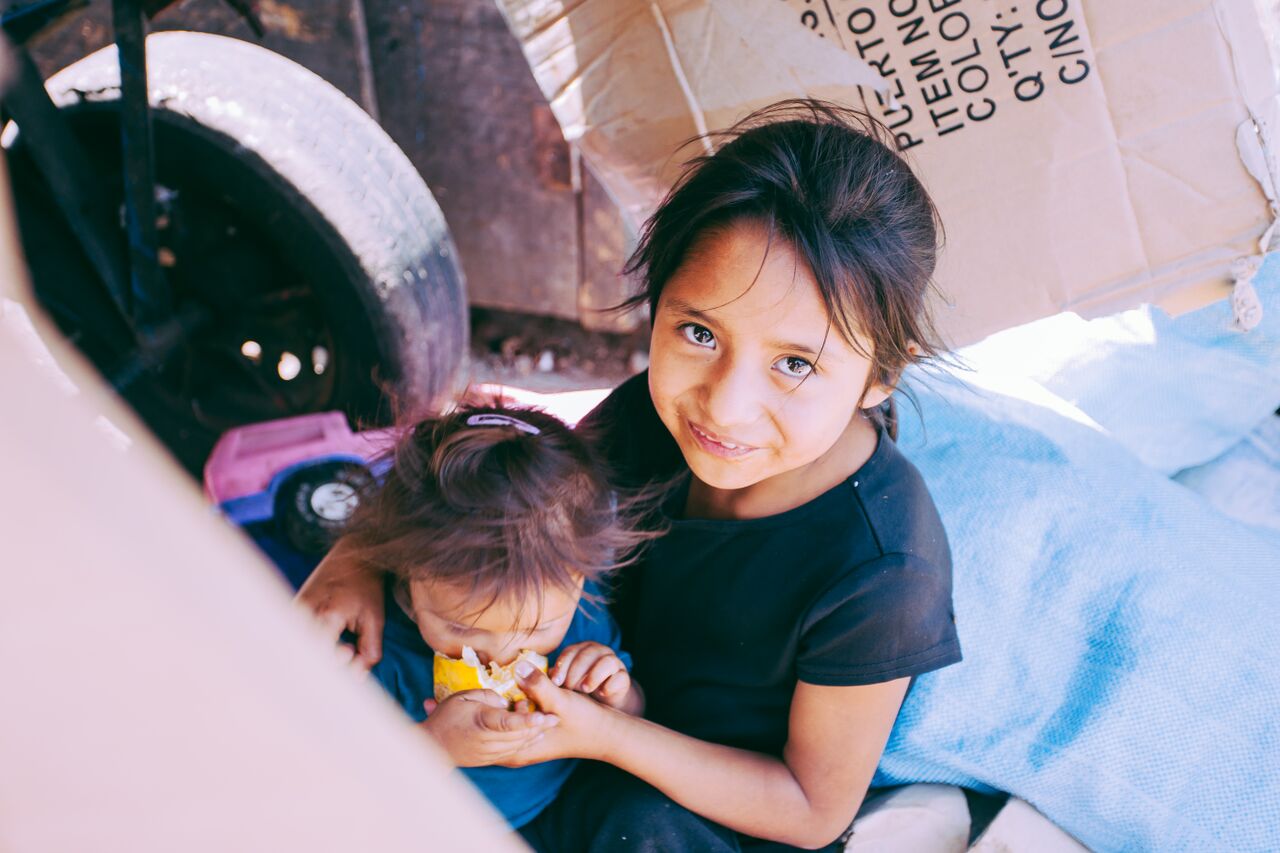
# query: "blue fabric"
{"type": "Point", "coordinates": [1176, 392]}
{"type": "Point", "coordinates": [405, 671]}
{"type": "Point", "coordinates": [1122, 638]}
{"type": "Point", "coordinates": [1244, 482]}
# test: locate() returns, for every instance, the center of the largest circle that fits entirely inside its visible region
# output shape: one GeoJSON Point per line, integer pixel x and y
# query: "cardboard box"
{"type": "Point", "coordinates": [1086, 155]}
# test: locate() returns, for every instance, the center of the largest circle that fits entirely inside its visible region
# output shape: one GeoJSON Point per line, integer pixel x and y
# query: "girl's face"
{"type": "Point", "coordinates": [745, 368]}
{"type": "Point", "coordinates": [449, 616]}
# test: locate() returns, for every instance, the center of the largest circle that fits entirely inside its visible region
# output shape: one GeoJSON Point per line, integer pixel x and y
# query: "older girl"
{"type": "Point", "coordinates": [804, 578]}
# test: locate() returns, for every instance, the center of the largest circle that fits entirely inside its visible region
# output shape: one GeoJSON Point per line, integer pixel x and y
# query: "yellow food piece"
{"type": "Point", "coordinates": [453, 675]}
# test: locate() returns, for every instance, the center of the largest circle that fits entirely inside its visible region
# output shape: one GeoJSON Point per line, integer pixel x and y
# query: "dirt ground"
{"type": "Point", "coordinates": [547, 354]}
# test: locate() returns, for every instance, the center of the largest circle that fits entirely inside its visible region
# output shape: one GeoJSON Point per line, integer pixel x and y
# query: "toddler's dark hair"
{"type": "Point", "coordinates": [828, 181]}
{"type": "Point", "coordinates": [494, 507]}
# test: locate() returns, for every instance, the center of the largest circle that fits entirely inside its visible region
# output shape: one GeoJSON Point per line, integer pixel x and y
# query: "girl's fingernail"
{"type": "Point", "coordinates": [558, 678]}
{"type": "Point", "coordinates": [524, 669]}
{"type": "Point", "coordinates": [537, 719]}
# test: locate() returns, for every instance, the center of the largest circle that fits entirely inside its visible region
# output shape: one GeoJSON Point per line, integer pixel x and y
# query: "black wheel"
{"type": "Point", "coordinates": [314, 504]}
{"type": "Point", "coordinates": [289, 220]}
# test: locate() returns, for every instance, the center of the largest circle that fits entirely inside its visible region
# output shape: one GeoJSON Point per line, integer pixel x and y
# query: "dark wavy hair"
{"type": "Point", "coordinates": [506, 512]}
{"type": "Point", "coordinates": [829, 182]}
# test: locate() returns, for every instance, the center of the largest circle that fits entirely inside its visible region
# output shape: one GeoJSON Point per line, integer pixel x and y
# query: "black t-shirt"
{"type": "Point", "coordinates": [723, 617]}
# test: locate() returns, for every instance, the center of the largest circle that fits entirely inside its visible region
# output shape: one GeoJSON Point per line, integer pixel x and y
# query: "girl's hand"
{"type": "Point", "coordinates": [476, 729]}
{"type": "Point", "coordinates": [594, 669]}
{"type": "Point", "coordinates": [583, 726]}
{"type": "Point", "coordinates": [346, 596]}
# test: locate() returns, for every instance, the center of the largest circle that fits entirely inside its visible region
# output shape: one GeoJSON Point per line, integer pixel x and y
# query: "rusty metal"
{"type": "Point", "coordinates": [24, 21]}
{"type": "Point", "coordinates": [605, 245]}
{"type": "Point", "coordinates": [459, 98]}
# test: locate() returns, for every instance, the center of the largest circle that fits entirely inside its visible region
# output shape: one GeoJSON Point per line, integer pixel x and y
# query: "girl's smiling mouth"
{"type": "Point", "coordinates": [717, 446]}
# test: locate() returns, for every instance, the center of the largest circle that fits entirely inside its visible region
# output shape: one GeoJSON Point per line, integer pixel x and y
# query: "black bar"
{"type": "Point", "coordinates": [76, 190]}
{"type": "Point", "coordinates": [150, 292]}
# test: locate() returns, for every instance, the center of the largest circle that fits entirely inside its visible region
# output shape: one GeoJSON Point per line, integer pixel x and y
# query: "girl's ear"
{"type": "Point", "coordinates": [875, 395]}
{"type": "Point", "coordinates": [878, 393]}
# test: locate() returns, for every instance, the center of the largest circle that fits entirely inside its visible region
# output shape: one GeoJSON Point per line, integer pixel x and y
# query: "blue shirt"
{"type": "Point", "coordinates": [405, 671]}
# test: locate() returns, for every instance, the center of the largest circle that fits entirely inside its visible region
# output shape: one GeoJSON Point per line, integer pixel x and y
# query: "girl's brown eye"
{"type": "Point", "coordinates": [793, 366]}
{"type": "Point", "coordinates": [698, 335]}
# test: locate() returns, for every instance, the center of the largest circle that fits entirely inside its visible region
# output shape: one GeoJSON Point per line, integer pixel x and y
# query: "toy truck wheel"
{"type": "Point", "coordinates": [314, 505]}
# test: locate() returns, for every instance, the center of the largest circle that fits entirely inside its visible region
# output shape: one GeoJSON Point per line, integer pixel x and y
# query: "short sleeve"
{"type": "Point", "coordinates": [885, 619]}
{"type": "Point", "coordinates": [406, 676]}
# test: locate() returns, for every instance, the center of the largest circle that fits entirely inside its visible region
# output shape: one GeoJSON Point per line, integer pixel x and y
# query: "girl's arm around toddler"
{"type": "Point", "coordinates": [806, 799]}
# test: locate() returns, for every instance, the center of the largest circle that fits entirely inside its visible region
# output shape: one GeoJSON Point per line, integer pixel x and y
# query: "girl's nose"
{"type": "Point", "coordinates": [731, 396]}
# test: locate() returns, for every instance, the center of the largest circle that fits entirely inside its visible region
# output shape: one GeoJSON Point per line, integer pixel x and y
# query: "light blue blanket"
{"type": "Point", "coordinates": [1121, 636]}
{"type": "Point", "coordinates": [1244, 482]}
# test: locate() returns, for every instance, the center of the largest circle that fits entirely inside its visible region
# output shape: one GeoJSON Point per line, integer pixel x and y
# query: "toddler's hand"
{"type": "Point", "coordinates": [594, 669]}
{"type": "Point", "coordinates": [476, 729]}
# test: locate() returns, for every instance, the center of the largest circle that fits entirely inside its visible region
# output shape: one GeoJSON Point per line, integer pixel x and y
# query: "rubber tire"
{"type": "Point", "coordinates": [306, 530]}
{"type": "Point", "coordinates": [352, 183]}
